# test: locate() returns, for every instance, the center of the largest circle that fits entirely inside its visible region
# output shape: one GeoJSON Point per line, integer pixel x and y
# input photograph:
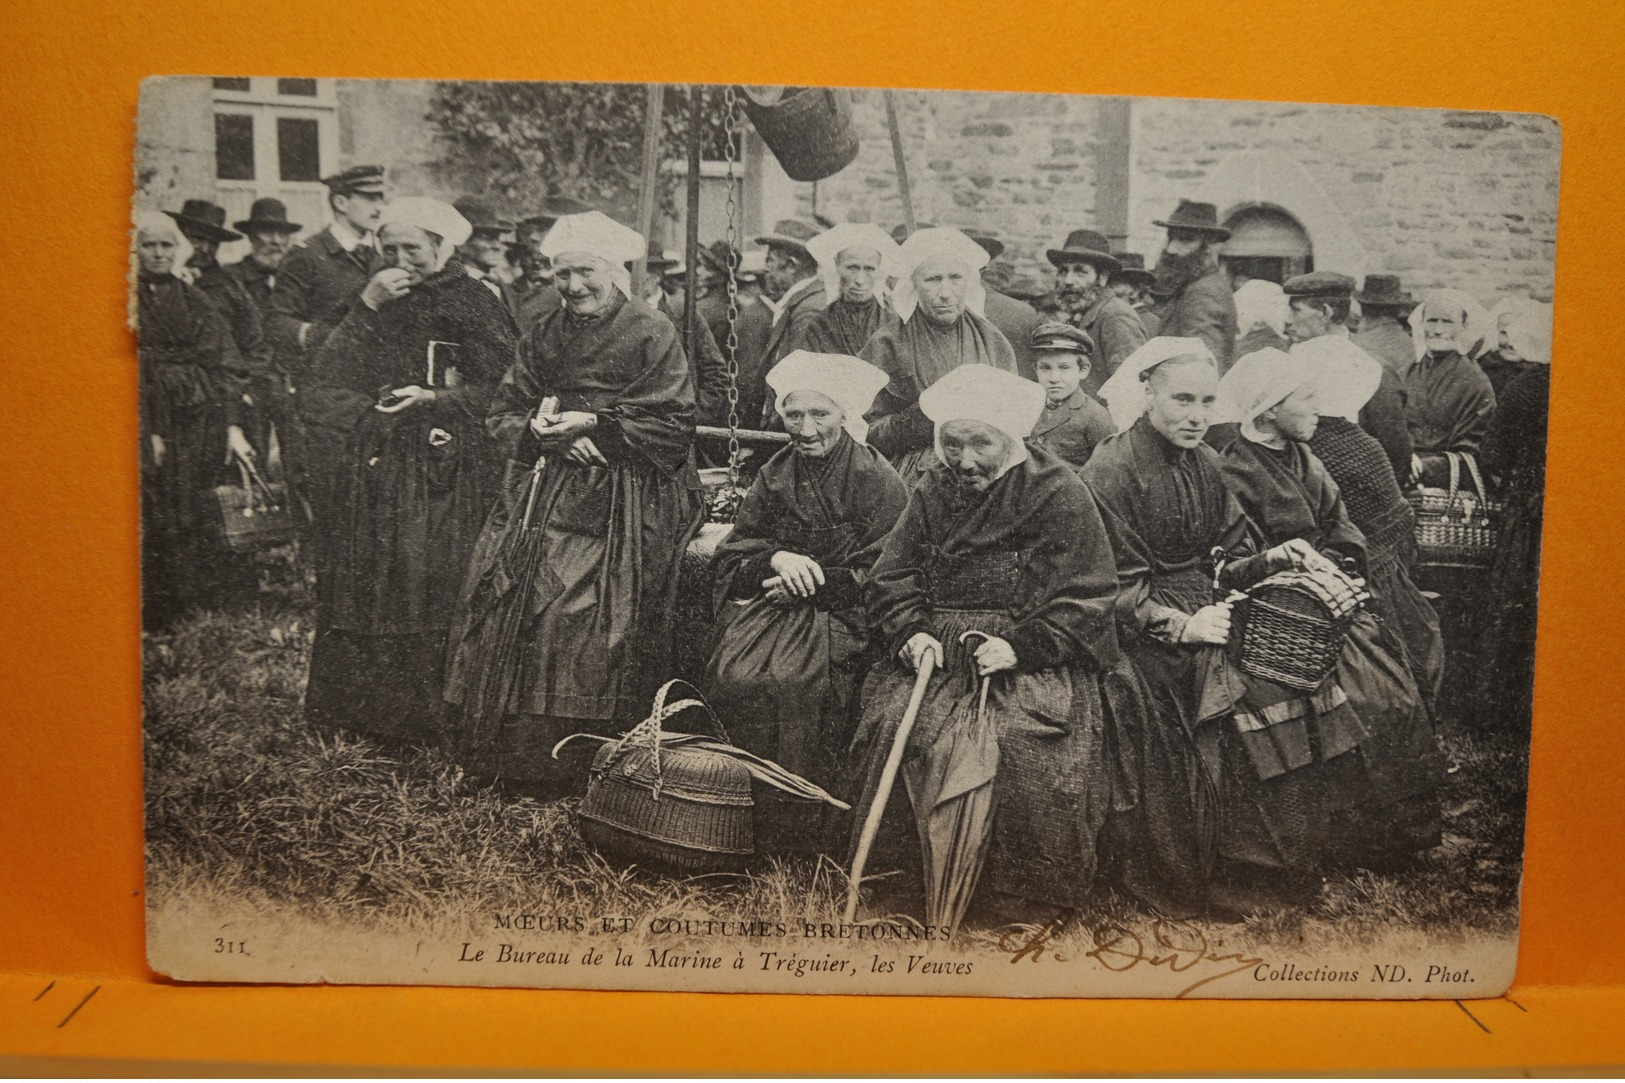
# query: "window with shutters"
{"type": "Point", "coordinates": [274, 138]}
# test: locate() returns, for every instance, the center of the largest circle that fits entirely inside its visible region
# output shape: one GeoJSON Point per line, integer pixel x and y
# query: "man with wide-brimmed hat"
{"type": "Point", "coordinates": [1200, 304]}
{"type": "Point", "coordinates": [793, 285]}
{"type": "Point", "coordinates": [323, 277]}
{"type": "Point", "coordinates": [1319, 305]}
{"type": "Point", "coordinates": [1384, 304]}
{"type": "Point", "coordinates": [1084, 265]}
{"type": "Point", "coordinates": [1133, 283]}
{"type": "Point", "coordinates": [270, 238]}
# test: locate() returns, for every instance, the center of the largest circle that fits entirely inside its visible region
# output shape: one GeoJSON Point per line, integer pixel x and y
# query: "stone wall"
{"type": "Point", "coordinates": [1442, 198]}
{"type": "Point", "coordinates": [1020, 166]}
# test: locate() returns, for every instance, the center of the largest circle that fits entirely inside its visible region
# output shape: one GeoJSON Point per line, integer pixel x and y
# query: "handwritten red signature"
{"type": "Point", "coordinates": [1179, 946]}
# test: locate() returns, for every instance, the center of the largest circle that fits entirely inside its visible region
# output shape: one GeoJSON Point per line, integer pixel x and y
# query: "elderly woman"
{"type": "Point", "coordinates": [191, 402]}
{"type": "Point", "coordinates": [792, 642]}
{"type": "Point", "coordinates": [855, 261]}
{"type": "Point", "coordinates": [936, 326]}
{"type": "Point", "coordinates": [1225, 799]}
{"type": "Point", "coordinates": [1514, 456]}
{"type": "Point", "coordinates": [1348, 377]}
{"type": "Point", "coordinates": [1500, 357]}
{"type": "Point", "coordinates": [1287, 494]}
{"type": "Point", "coordinates": [1449, 399]}
{"type": "Point", "coordinates": [1000, 571]}
{"type": "Point", "coordinates": [402, 385]}
{"type": "Point", "coordinates": [564, 622]}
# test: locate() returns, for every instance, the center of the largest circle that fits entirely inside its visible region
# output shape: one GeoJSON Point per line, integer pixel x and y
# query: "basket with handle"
{"type": "Point", "coordinates": [1291, 626]}
{"type": "Point", "coordinates": [677, 806]}
{"type": "Point", "coordinates": [255, 514]}
{"type": "Point", "coordinates": [1456, 527]}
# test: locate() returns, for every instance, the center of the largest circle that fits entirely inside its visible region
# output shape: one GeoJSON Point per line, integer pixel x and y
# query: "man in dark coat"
{"type": "Point", "coordinates": [1083, 266]}
{"type": "Point", "coordinates": [792, 283]}
{"type": "Point", "coordinates": [1015, 318]}
{"type": "Point", "coordinates": [486, 251]}
{"type": "Point", "coordinates": [1132, 282]}
{"type": "Point", "coordinates": [1320, 306]}
{"type": "Point", "coordinates": [564, 622]}
{"type": "Point", "coordinates": [702, 350]}
{"type": "Point", "coordinates": [1383, 304]}
{"type": "Point", "coordinates": [1200, 300]}
{"type": "Point", "coordinates": [1003, 541]}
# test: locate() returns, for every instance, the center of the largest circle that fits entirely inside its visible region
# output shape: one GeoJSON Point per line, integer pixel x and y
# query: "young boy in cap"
{"type": "Point", "coordinates": [1073, 422]}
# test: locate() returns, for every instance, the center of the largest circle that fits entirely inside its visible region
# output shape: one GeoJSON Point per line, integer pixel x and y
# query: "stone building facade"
{"type": "Point", "coordinates": [1441, 197]}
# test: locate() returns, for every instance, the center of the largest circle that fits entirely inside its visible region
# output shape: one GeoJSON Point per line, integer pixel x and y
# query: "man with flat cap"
{"type": "Point", "coordinates": [1383, 305]}
{"type": "Point", "coordinates": [1133, 283]}
{"type": "Point", "coordinates": [1319, 307]}
{"type": "Point", "coordinates": [1083, 266]}
{"type": "Point", "coordinates": [320, 281]}
{"type": "Point", "coordinates": [1015, 318]}
{"type": "Point", "coordinates": [793, 285]}
{"type": "Point", "coordinates": [1201, 304]}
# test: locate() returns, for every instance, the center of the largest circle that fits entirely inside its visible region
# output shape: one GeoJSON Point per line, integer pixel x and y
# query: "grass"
{"type": "Point", "coordinates": [245, 801]}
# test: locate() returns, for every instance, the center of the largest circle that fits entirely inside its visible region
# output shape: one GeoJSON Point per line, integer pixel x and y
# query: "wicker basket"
{"type": "Point", "coordinates": [680, 810]}
{"type": "Point", "coordinates": [1455, 527]}
{"type": "Point", "coordinates": [1290, 628]}
{"type": "Point", "coordinates": [254, 515]}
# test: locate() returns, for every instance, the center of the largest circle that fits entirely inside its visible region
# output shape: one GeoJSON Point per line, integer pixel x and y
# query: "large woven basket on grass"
{"type": "Point", "coordinates": [1456, 527]}
{"type": "Point", "coordinates": [1290, 628]}
{"type": "Point", "coordinates": [677, 808]}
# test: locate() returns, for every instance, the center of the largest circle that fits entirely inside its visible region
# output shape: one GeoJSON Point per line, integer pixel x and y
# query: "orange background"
{"type": "Point", "coordinates": [70, 805]}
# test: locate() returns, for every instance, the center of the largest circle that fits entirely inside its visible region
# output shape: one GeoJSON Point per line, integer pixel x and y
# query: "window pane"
{"type": "Point", "coordinates": [231, 84]}
{"type": "Point", "coordinates": [304, 88]}
{"type": "Point", "coordinates": [298, 149]}
{"type": "Point", "coordinates": [233, 147]}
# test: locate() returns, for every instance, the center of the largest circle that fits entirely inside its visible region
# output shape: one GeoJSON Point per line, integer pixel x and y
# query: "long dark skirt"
{"type": "Point", "coordinates": [185, 561]}
{"type": "Point", "coordinates": [784, 681]}
{"type": "Point", "coordinates": [1506, 653]}
{"type": "Point", "coordinates": [1414, 624]}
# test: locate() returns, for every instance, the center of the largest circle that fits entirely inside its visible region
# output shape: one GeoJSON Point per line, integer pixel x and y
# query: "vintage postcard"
{"type": "Point", "coordinates": [800, 539]}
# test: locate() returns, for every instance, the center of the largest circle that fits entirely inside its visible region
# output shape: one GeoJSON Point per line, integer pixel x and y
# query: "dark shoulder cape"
{"type": "Point", "coordinates": [844, 327]}
{"type": "Point", "coordinates": [1287, 493]}
{"type": "Point", "coordinates": [1062, 608]}
{"type": "Point", "coordinates": [836, 510]}
{"type": "Point", "coordinates": [916, 354]}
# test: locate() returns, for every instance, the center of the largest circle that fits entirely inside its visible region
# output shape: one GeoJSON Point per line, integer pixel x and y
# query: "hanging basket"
{"type": "Point", "coordinates": [808, 129]}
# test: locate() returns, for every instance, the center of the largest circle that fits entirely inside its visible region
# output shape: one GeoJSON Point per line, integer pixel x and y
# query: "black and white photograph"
{"type": "Point", "coordinates": [747, 538]}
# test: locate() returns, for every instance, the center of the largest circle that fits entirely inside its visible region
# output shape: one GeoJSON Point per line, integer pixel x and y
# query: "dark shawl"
{"type": "Point", "coordinates": [1288, 494]}
{"type": "Point", "coordinates": [844, 327]}
{"type": "Point", "coordinates": [915, 355]}
{"type": "Point", "coordinates": [1449, 403]}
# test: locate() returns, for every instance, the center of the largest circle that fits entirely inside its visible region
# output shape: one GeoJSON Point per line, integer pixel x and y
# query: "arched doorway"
{"type": "Point", "coordinates": [1266, 242]}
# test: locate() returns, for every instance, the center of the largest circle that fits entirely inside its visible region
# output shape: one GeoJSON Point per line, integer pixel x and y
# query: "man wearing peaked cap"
{"type": "Point", "coordinates": [1384, 304]}
{"type": "Point", "coordinates": [1083, 266]}
{"type": "Point", "coordinates": [1004, 541]}
{"type": "Point", "coordinates": [1073, 421]}
{"type": "Point", "coordinates": [1200, 304]}
{"type": "Point", "coordinates": [1319, 304]}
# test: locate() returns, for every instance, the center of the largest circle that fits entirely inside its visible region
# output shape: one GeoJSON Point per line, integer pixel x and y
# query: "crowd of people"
{"type": "Point", "coordinates": [1053, 503]}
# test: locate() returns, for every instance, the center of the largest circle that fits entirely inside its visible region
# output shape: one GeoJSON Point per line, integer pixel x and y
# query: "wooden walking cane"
{"type": "Point", "coordinates": [888, 779]}
{"type": "Point", "coordinates": [550, 405]}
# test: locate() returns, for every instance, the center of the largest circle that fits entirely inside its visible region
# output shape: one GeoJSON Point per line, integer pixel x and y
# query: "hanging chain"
{"type": "Point", "coordinates": [731, 347]}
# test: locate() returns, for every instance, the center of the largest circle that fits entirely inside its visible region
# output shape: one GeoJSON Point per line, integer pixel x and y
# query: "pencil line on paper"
{"type": "Point", "coordinates": [77, 1006]}
{"type": "Point", "coordinates": [45, 990]}
{"type": "Point", "coordinates": [1471, 1016]}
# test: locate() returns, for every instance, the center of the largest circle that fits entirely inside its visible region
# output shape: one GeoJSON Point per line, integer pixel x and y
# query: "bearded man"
{"type": "Point", "coordinates": [597, 419]}
{"type": "Point", "coordinates": [854, 261]}
{"type": "Point", "coordinates": [1083, 269]}
{"type": "Point", "coordinates": [1003, 541]}
{"type": "Point", "coordinates": [1201, 304]}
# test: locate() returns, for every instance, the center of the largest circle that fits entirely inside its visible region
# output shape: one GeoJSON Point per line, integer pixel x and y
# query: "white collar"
{"type": "Point", "coordinates": [348, 238]}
